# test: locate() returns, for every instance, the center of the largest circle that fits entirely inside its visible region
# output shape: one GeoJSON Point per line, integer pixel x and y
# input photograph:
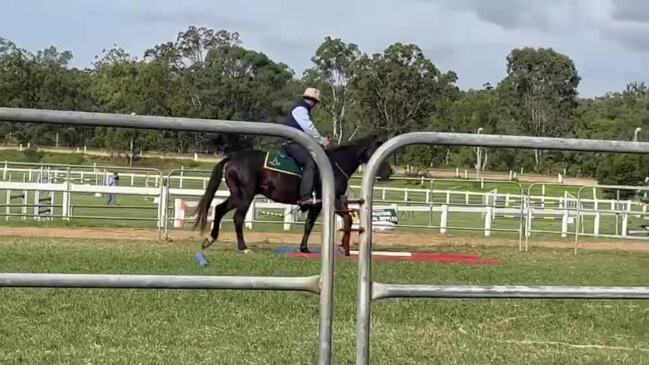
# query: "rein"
{"type": "Point", "coordinates": [342, 171]}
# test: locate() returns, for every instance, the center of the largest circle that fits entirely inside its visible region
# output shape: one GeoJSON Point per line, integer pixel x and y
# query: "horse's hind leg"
{"type": "Point", "coordinates": [219, 211]}
{"type": "Point", "coordinates": [239, 218]}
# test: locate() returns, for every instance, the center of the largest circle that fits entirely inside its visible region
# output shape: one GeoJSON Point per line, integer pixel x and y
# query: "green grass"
{"type": "Point", "coordinates": [64, 326]}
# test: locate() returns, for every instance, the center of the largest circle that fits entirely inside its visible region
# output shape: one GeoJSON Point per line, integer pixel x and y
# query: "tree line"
{"type": "Point", "coordinates": [205, 73]}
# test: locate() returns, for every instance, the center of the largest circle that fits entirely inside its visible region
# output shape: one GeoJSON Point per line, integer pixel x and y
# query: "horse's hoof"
{"type": "Point", "coordinates": [206, 243]}
{"type": "Point", "coordinates": [246, 251]}
{"type": "Point", "coordinates": [304, 250]}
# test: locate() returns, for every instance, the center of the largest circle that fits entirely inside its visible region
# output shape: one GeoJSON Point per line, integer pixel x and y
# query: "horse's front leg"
{"type": "Point", "coordinates": [343, 211]}
{"type": "Point", "coordinates": [311, 217]}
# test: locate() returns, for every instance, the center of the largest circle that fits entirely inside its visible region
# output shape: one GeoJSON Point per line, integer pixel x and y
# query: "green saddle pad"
{"type": "Point", "coordinates": [280, 162]}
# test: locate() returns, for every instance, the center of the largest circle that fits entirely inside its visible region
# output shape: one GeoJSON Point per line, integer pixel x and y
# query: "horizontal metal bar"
{"type": "Point", "coordinates": [512, 141]}
{"type": "Point", "coordinates": [228, 222]}
{"type": "Point", "coordinates": [30, 205]}
{"type": "Point", "coordinates": [151, 122]}
{"type": "Point", "coordinates": [550, 232]}
{"type": "Point", "coordinates": [135, 219]}
{"type": "Point", "coordinates": [45, 165]}
{"type": "Point", "coordinates": [152, 206]}
{"type": "Point", "coordinates": [74, 217]}
{"type": "Point", "coordinates": [628, 237]}
{"type": "Point", "coordinates": [380, 291]}
{"type": "Point", "coordinates": [108, 281]}
{"type": "Point", "coordinates": [457, 228]}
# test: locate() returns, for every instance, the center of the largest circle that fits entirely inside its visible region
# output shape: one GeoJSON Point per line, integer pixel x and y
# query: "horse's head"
{"type": "Point", "coordinates": [385, 171]}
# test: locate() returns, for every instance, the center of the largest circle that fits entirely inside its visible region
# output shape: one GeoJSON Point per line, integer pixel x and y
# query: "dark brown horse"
{"type": "Point", "coordinates": [246, 176]}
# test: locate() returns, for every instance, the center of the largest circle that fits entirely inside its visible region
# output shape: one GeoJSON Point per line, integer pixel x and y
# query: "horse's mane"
{"type": "Point", "coordinates": [354, 144]}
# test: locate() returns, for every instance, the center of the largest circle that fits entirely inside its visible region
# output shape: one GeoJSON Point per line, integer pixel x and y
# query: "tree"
{"type": "Point", "coordinates": [240, 84]}
{"type": "Point", "coordinates": [540, 94]}
{"type": "Point", "coordinates": [420, 156]}
{"type": "Point", "coordinates": [206, 73]}
{"type": "Point", "coordinates": [622, 170]}
{"type": "Point", "coordinates": [614, 116]}
{"type": "Point", "coordinates": [333, 66]}
{"type": "Point", "coordinates": [400, 90]}
{"type": "Point", "coordinates": [473, 110]}
{"type": "Point", "coordinates": [194, 44]}
{"type": "Point", "coordinates": [41, 81]}
{"type": "Point", "coordinates": [126, 86]}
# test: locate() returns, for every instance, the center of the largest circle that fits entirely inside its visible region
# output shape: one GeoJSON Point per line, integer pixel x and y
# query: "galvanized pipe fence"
{"type": "Point", "coordinates": [368, 290]}
{"type": "Point", "coordinates": [322, 284]}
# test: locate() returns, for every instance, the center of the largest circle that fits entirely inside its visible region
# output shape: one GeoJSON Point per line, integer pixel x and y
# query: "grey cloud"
{"type": "Point", "coordinates": [631, 10]}
{"type": "Point", "coordinates": [635, 37]}
{"type": "Point", "coordinates": [516, 14]}
{"type": "Point", "coordinates": [507, 14]}
{"type": "Point", "coordinates": [187, 17]}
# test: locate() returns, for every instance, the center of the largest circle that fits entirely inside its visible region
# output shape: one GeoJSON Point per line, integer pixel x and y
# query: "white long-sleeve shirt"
{"type": "Point", "coordinates": [301, 116]}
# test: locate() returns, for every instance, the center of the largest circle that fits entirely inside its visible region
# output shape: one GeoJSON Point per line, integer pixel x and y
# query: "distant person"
{"type": "Point", "coordinates": [113, 180]}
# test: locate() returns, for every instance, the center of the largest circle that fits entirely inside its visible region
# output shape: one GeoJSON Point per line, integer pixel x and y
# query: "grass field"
{"type": "Point", "coordinates": [41, 326]}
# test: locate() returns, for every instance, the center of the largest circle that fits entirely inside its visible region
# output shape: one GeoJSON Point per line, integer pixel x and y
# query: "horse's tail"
{"type": "Point", "coordinates": [212, 186]}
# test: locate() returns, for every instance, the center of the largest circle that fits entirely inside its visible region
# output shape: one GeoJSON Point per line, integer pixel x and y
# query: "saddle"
{"type": "Point", "coordinates": [281, 162]}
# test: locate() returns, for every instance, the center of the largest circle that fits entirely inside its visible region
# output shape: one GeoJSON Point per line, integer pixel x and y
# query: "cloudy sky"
{"type": "Point", "coordinates": [607, 39]}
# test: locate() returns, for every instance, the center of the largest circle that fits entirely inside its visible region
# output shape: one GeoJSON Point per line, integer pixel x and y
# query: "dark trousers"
{"type": "Point", "coordinates": [306, 163]}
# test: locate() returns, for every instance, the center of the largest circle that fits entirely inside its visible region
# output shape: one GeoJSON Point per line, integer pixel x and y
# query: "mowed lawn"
{"type": "Point", "coordinates": [73, 326]}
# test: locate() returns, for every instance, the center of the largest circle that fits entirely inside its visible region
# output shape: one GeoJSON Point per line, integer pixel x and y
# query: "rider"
{"type": "Point", "coordinates": [300, 118]}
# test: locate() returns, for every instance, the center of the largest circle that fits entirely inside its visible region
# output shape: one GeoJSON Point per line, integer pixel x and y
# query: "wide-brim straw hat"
{"type": "Point", "coordinates": [312, 93]}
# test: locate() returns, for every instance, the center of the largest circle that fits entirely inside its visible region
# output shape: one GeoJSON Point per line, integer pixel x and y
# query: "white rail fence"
{"type": "Point", "coordinates": [46, 201]}
{"type": "Point", "coordinates": [98, 175]}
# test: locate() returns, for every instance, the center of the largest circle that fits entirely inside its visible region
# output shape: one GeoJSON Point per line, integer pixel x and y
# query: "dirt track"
{"type": "Point", "coordinates": [421, 240]}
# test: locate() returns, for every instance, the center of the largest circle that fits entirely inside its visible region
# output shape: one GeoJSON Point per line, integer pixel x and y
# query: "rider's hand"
{"type": "Point", "coordinates": [327, 143]}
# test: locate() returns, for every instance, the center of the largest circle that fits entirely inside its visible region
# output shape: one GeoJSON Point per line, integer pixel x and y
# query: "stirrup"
{"type": "Point", "coordinates": [309, 202]}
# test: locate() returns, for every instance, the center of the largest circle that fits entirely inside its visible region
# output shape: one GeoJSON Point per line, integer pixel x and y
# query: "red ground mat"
{"type": "Point", "coordinates": [444, 258]}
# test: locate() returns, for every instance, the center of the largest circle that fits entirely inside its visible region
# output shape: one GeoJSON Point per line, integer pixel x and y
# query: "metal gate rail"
{"type": "Point", "coordinates": [322, 285]}
{"type": "Point", "coordinates": [369, 290]}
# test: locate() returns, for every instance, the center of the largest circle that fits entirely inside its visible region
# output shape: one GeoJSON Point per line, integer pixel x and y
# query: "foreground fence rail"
{"type": "Point", "coordinates": [324, 281]}
{"type": "Point", "coordinates": [382, 291]}
{"type": "Point", "coordinates": [110, 281]}
{"type": "Point", "coordinates": [369, 290]}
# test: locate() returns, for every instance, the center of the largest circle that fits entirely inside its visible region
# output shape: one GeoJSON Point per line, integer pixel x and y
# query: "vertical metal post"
{"type": "Point", "coordinates": [578, 220]}
{"type": "Point", "coordinates": [67, 196]}
{"type": "Point", "coordinates": [365, 268]}
{"type": "Point", "coordinates": [478, 166]}
{"type": "Point", "coordinates": [8, 202]}
{"type": "Point", "coordinates": [521, 219]}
